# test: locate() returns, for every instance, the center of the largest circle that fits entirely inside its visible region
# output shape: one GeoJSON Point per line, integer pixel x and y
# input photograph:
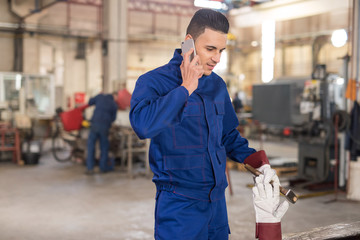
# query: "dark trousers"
{"type": "Point", "coordinates": [100, 134]}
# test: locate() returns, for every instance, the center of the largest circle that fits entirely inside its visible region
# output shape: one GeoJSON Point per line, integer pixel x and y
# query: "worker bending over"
{"type": "Point", "coordinates": [102, 118]}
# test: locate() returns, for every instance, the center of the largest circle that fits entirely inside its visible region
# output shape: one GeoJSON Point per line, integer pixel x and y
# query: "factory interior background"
{"type": "Point", "coordinates": [294, 64]}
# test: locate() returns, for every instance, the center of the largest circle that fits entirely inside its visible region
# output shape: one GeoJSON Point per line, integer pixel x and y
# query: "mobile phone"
{"type": "Point", "coordinates": [186, 46]}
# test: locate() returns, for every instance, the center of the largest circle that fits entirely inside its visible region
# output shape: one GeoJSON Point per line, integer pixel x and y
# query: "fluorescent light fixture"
{"type": "Point", "coordinates": [241, 77]}
{"type": "Point", "coordinates": [210, 4]}
{"type": "Point", "coordinates": [340, 81]}
{"type": "Point", "coordinates": [339, 38]}
{"type": "Point", "coordinates": [268, 39]}
{"type": "Point", "coordinates": [267, 70]}
{"type": "Point", "coordinates": [267, 50]}
{"type": "Point", "coordinates": [18, 81]}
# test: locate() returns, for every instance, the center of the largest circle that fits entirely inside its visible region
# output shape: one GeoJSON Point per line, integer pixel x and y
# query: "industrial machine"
{"type": "Point", "coordinates": [306, 106]}
{"type": "Point", "coordinates": [32, 95]}
{"type": "Point", "coordinates": [27, 105]}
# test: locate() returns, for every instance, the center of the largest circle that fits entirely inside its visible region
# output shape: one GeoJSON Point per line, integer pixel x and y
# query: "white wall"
{"type": "Point", "coordinates": [6, 39]}
{"type": "Point", "coordinates": [146, 56]}
{"type": "Point", "coordinates": [31, 55]}
{"type": "Point", "coordinates": [7, 52]}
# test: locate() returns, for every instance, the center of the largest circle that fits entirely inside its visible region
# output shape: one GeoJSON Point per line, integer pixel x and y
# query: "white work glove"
{"type": "Point", "coordinates": [269, 173]}
{"type": "Point", "coordinates": [267, 201]}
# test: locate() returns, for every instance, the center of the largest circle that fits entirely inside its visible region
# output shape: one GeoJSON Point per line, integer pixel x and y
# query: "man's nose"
{"type": "Point", "coordinates": [216, 57]}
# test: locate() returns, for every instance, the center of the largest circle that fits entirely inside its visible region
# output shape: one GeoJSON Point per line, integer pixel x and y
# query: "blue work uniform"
{"type": "Point", "coordinates": [191, 136]}
{"type": "Point", "coordinates": [102, 118]}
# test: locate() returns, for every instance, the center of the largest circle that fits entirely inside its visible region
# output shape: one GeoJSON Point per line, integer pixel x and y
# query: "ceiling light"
{"type": "Point", "coordinates": [339, 38]}
{"type": "Point", "coordinates": [254, 43]}
{"type": "Point", "coordinates": [17, 81]}
{"type": "Point", "coordinates": [340, 81]}
{"type": "Point", "coordinates": [211, 4]}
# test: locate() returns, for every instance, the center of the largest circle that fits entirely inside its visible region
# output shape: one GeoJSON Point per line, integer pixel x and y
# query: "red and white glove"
{"type": "Point", "coordinates": [268, 209]}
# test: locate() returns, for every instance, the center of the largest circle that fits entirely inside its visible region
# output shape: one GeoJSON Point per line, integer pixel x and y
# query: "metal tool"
{"type": "Point", "coordinates": [288, 193]}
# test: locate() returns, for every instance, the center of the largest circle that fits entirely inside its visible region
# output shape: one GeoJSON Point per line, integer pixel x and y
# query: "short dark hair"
{"type": "Point", "coordinates": [207, 18]}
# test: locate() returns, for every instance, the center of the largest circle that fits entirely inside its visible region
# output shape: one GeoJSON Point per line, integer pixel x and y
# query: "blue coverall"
{"type": "Point", "coordinates": [191, 136]}
{"type": "Point", "coordinates": [102, 118]}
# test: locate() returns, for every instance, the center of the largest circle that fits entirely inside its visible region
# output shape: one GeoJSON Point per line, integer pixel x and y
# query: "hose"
{"type": "Point", "coordinates": [344, 124]}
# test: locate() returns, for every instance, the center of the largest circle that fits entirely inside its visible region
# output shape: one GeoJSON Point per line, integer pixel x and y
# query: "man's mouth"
{"type": "Point", "coordinates": [211, 67]}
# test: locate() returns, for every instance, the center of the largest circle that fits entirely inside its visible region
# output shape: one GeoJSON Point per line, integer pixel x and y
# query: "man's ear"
{"type": "Point", "coordinates": [188, 36]}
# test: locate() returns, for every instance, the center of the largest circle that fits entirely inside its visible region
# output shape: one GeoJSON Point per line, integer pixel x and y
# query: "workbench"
{"type": "Point", "coordinates": [132, 144]}
{"type": "Point", "coordinates": [125, 144]}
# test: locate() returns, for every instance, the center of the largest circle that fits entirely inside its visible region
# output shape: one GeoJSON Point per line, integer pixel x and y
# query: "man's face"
{"type": "Point", "coordinates": [209, 47]}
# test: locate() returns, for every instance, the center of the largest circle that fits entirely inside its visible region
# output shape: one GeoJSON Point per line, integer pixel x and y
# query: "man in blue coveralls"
{"type": "Point", "coordinates": [186, 111]}
{"type": "Point", "coordinates": [102, 118]}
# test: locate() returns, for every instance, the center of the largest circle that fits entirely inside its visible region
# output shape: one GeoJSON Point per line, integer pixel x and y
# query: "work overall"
{"type": "Point", "coordinates": [102, 118]}
{"type": "Point", "coordinates": [191, 136]}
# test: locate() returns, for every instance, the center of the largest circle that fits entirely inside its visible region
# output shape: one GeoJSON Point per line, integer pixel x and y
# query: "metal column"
{"type": "Point", "coordinates": [116, 38]}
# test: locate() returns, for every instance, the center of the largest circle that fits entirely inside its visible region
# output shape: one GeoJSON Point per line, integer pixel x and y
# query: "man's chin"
{"type": "Point", "coordinates": [207, 73]}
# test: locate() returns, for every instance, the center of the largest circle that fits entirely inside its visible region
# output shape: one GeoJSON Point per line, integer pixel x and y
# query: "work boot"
{"type": "Point", "coordinates": [89, 172]}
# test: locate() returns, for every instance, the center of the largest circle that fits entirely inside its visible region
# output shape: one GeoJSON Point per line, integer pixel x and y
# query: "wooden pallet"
{"type": "Point", "coordinates": [286, 171]}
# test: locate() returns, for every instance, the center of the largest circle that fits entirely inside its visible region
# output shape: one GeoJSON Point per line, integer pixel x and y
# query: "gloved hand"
{"type": "Point", "coordinates": [269, 173]}
{"type": "Point", "coordinates": [268, 208]}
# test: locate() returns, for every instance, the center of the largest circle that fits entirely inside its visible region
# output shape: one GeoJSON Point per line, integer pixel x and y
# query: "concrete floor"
{"type": "Point", "coordinates": [55, 200]}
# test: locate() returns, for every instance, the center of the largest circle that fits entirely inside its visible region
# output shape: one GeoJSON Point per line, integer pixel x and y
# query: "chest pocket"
{"type": "Point", "coordinates": [189, 133]}
{"type": "Point", "coordinates": [220, 111]}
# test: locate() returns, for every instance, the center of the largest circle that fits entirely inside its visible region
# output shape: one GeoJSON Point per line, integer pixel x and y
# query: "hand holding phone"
{"type": "Point", "coordinates": [186, 46]}
{"type": "Point", "coordinates": [191, 70]}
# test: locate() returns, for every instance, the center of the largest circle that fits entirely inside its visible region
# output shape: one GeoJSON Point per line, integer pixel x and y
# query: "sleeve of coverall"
{"type": "Point", "coordinates": [114, 112]}
{"type": "Point", "coordinates": [150, 113]}
{"type": "Point", "coordinates": [92, 100]}
{"type": "Point", "coordinates": [237, 147]}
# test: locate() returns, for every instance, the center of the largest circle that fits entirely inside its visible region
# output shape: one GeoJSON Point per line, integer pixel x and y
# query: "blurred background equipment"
{"type": "Point", "coordinates": [277, 103]}
{"type": "Point", "coordinates": [10, 142]}
{"type": "Point", "coordinates": [27, 106]}
{"type": "Point", "coordinates": [69, 135]}
{"type": "Point", "coordinates": [305, 107]}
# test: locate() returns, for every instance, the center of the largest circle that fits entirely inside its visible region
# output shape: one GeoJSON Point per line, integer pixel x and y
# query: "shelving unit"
{"type": "Point", "coordinates": [10, 141]}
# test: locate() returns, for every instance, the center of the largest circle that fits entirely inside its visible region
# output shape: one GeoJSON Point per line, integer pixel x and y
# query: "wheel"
{"type": "Point", "coordinates": [61, 148]}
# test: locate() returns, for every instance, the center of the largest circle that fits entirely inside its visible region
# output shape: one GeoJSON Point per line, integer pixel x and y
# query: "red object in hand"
{"type": "Point", "coordinates": [72, 119]}
{"type": "Point", "coordinates": [123, 99]}
{"type": "Point", "coordinates": [83, 107]}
